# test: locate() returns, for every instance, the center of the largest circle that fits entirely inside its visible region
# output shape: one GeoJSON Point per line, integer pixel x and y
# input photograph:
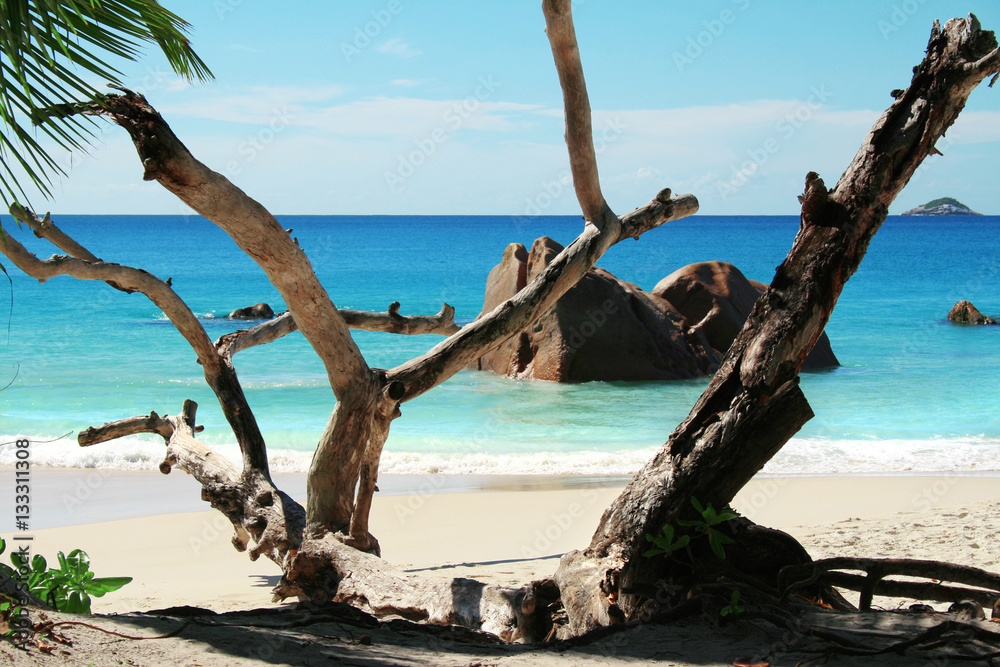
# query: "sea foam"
{"type": "Point", "coordinates": [801, 456]}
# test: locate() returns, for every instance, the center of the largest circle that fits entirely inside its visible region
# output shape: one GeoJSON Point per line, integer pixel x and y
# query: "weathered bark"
{"type": "Point", "coordinates": [327, 568]}
{"type": "Point", "coordinates": [256, 508]}
{"type": "Point", "coordinates": [753, 404]}
{"type": "Point", "coordinates": [44, 228]}
{"type": "Point", "coordinates": [795, 577]}
{"type": "Point", "coordinates": [576, 104]}
{"type": "Point", "coordinates": [442, 324]}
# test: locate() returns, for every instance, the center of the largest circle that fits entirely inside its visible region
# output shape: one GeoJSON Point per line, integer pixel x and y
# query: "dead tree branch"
{"type": "Point", "coordinates": [751, 408]}
{"type": "Point", "coordinates": [576, 103]}
{"type": "Point", "coordinates": [753, 404]}
{"type": "Point", "coordinates": [442, 324]}
{"type": "Point", "coordinates": [603, 229]}
{"type": "Point", "coordinates": [219, 374]}
{"type": "Point", "coordinates": [151, 423]}
{"type": "Point", "coordinates": [44, 228]}
{"type": "Point", "coordinates": [795, 577]}
{"type": "Point", "coordinates": [251, 502]}
{"type": "Point", "coordinates": [166, 160]}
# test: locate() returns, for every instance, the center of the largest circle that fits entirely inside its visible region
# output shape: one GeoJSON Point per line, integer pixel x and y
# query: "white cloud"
{"type": "Point", "coordinates": [974, 127]}
{"type": "Point", "coordinates": [486, 155]}
{"type": "Point", "coordinates": [397, 47]}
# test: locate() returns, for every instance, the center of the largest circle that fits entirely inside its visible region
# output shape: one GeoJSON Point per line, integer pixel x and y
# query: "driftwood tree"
{"type": "Point", "coordinates": [751, 408]}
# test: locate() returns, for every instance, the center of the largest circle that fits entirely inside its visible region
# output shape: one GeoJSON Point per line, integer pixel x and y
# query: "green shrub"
{"type": "Point", "coordinates": [69, 587]}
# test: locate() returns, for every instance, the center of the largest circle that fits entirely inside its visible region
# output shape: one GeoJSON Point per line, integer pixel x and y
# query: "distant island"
{"type": "Point", "coordinates": [942, 206]}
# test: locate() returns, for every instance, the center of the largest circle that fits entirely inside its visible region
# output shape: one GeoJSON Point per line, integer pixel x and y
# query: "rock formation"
{"type": "Point", "coordinates": [715, 299]}
{"type": "Point", "coordinates": [608, 329]}
{"type": "Point", "coordinates": [964, 312]}
{"type": "Point", "coordinates": [942, 206]}
{"type": "Point", "coordinates": [258, 311]}
{"type": "Point", "coordinates": [602, 329]}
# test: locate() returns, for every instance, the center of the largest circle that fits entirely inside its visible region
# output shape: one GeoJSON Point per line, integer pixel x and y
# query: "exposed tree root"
{"type": "Point", "coordinates": [794, 577]}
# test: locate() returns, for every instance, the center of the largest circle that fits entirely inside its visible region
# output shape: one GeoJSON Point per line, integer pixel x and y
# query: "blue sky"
{"type": "Point", "coordinates": [409, 107]}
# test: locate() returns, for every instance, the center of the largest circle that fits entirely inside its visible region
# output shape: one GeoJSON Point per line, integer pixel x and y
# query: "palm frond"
{"type": "Point", "coordinates": [47, 48]}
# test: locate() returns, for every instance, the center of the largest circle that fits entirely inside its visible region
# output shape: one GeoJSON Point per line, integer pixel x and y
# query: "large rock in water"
{"type": "Point", "coordinates": [602, 329]}
{"type": "Point", "coordinates": [964, 312]}
{"type": "Point", "coordinates": [715, 299]}
{"type": "Point", "coordinates": [258, 311]}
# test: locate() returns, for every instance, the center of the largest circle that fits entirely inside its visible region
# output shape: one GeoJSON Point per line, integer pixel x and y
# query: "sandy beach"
{"type": "Point", "coordinates": [512, 532]}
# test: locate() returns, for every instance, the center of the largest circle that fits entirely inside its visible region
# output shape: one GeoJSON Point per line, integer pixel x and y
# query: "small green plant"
{"type": "Point", "coordinates": [733, 608]}
{"type": "Point", "coordinates": [69, 587]}
{"type": "Point", "coordinates": [710, 518]}
{"type": "Point", "coordinates": [665, 542]}
{"type": "Point", "coordinates": [671, 540]}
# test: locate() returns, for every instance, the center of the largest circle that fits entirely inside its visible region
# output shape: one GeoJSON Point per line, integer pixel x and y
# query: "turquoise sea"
{"type": "Point", "coordinates": [915, 392]}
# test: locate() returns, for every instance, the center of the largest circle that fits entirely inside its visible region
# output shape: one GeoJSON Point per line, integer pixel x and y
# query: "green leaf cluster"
{"type": "Point", "coordinates": [47, 48]}
{"type": "Point", "coordinates": [733, 608]}
{"type": "Point", "coordinates": [69, 587]}
{"type": "Point", "coordinates": [670, 539]}
{"type": "Point", "coordinates": [667, 542]}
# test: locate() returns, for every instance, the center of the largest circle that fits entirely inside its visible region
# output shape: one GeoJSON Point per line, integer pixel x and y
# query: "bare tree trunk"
{"type": "Point", "coordinates": [753, 404]}
{"type": "Point", "coordinates": [315, 548]}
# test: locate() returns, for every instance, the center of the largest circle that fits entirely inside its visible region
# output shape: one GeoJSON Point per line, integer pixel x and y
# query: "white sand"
{"type": "Point", "coordinates": [187, 559]}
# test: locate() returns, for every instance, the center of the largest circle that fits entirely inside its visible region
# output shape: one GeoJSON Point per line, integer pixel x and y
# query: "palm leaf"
{"type": "Point", "coordinates": [49, 49]}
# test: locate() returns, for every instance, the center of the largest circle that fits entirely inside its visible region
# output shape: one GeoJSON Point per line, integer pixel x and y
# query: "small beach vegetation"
{"type": "Point", "coordinates": [710, 518]}
{"type": "Point", "coordinates": [733, 608]}
{"type": "Point", "coordinates": [671, 539]}
{"type": "Point", "coordinates": [667, 542]}
{"type": "Point", "coordinates": [68, 588]}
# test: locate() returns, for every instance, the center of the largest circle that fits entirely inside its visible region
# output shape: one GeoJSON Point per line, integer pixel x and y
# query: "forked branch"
{"type": "Point", "coordinates": [166, 160]}
{"type": "Point", "coordinates": [219, 374]}
{"type": "Point", "coordinates": [570, 265]}
{"type": "Point", "coordinates": [726, 438]}
{"type": "Point", "coordinates": [442, 324]}
{"type": "Point", "coordinates": [250, 501]}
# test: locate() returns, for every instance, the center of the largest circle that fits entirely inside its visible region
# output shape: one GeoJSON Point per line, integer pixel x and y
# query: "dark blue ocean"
{"type": "Point", "coordinates": [915, 392]}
